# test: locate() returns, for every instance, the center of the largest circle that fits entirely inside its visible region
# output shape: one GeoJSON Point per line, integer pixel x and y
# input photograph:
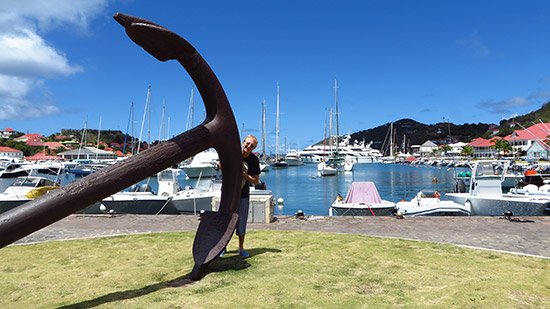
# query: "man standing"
{"type": "Point", "coordinates": [251, 175]}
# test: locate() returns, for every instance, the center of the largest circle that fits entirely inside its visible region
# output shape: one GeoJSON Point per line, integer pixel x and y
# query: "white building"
{"type": "Point", "coordinates": [11, 154]}
{"type": "Point", "coordinates": [427, 149]}
{"type": "Point", "coordinates": [87, 153]}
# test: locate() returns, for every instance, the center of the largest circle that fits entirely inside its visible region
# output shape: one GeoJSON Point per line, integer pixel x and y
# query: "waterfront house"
{"type": "Point", "coordinates": [483, 148]}
{"type": "Point", "coordinates": [456, 149]}
{"type": "Point", "coordinates": [415, 150]}
{"type": "Point", "coordinates": [538, 150]}
{"type": "Point", "coordinates": [7, 133]}
{"type": "Point", "coordinates": [427, 149]}
{"type": "Point", "coordinates": [33, 139]}
{"type": "Point", "coordinates": [521, 140]}
{"type": "Point", "coordinates": [87, 153]}
{"type": "Point", "coordinates": [10, 153]}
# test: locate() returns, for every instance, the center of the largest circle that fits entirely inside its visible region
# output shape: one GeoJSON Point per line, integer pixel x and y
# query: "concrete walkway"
{"type": "Point", "coordinates": [493, 233]}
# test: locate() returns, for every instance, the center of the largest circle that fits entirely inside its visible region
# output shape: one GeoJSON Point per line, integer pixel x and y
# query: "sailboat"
{"type": "Point", "coordinates": [279, 161]}
{"type": "Point", "coordinates": [323, 167]}
{"type": "Point", "coordinates": [335, 159]}
{"type": "Point", "coordinates": [390, 158]}
{"type": "Point", "coordinates": [264, 165]}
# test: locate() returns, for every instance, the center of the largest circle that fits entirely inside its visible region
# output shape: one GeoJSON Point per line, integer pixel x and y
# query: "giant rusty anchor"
{"type": "Point", "coordinates": [219, 131]}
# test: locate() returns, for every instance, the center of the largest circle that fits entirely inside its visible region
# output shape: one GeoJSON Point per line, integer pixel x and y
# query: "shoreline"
{"type": "Point", "coordinates": [488, 233]}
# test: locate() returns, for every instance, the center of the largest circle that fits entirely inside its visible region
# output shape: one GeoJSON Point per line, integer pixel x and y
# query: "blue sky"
{"type": "Point", "coordinates": [62, 62]}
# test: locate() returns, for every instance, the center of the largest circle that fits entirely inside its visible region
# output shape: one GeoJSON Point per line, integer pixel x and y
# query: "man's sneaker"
{"type": "Point", "coordinates": [244, 254]}
{"type": "Point", "coordinates": [223, 252]}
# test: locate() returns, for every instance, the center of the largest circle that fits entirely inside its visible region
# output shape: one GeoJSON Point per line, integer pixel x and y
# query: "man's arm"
{"type": "Point", "coordinates": [253, 179]}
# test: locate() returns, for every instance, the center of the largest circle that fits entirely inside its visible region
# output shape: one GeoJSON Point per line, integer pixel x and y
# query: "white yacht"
{"type": "Point", "coordinates": [203, 164]}
{"type": "Point", "coordinates": [486, 198]}
{"type": "Point", "coordinates": [357, 152]}
{"type": "Point", "coordinates": [293, 158]}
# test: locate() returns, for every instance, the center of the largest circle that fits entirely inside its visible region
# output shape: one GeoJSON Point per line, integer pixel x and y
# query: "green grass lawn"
{"type": "Point", "coordinates": [285, 270]}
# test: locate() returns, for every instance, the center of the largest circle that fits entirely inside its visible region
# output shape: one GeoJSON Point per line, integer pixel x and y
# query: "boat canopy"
{"type": "Point", "coordinates": [363, 192]}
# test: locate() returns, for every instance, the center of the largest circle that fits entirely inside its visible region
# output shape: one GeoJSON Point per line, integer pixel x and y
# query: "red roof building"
{"type": "Point", "coordinates": [33, 139]}
{"type": "Point", "coordinates": [54, 145]}
{"type": "Point", "coordinates": [42, 156]}
{"type": "Point", "coordinates": [483, 147]}
{"type": "Point", "coordinates": [7, 132]}
{"type": "Point", "coordinates": [10, 153]}
{"type": "Point", "coordinates": [521, 140]}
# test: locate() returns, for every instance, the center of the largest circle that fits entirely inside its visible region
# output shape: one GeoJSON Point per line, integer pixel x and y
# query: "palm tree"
{"type": "Point", "coordinates": [446, 149]}
{"type": "Point", "coordinates": [467, 151]}
{"type": "Point", "coordinates": [501, 145]}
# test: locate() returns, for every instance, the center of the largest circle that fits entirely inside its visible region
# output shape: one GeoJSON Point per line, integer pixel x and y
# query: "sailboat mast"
{"type": "Point", "coordinates": [330, 139]}
{"type": "Point", "coordinates": [133, 147]}
{"type": "Point", "coordinates": [147, 100]}
{"type": "Point", "coordinates": [391, 140]}
{"type": "Point", "coordinates": [98, 135]}
{"type": "Point", "coordinates": [191, 112]}
{"type": "Point", "coordinates": [337, 124]}
{"type": "Point", "coordinates": [149, 121]}
{"type": "Point", "coordinates": [83, 137]}
{"type": "Point", "coordinates": [277, 127]}
{"type": "Point", "coordinates": [263, 128]}
{"type": "Point", "coordinates": [162, 127]}
{"type": "Point", "coordinates": [127, 127]}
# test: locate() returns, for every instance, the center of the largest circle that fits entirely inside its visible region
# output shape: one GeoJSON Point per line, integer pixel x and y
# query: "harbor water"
{"type": "Point", "coordinates": [302, 189]}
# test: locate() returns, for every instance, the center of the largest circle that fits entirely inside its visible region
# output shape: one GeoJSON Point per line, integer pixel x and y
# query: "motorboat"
{"type": "Point", "coordinates": [140, 199]}
{"type": "Point", "coordinates": [25, 189]}
{"type": "Point", "coordinates": [264, 166]}
{"type": "Point", "coordinates": [362, 199]}
{"type": "Point", "coordinates": [325, 169]}
{"type": "Point", "coordinates": [193, 200]}
{"type": "Point", "coordinates": [293, 158]}
{"type": "Point", "coordinates": [203, 164]}
{"type": "Point", "coordinates": [485, 197]}
{"type": "Point", "coordinates": [281, 163]}
{"type": "Point", "coordinates": [13, 170]}
{"type": "Point", "coordinates": [81, 170]}
{"type": "Point", "coordinates": [428, 203]}
{"type": "Point", "coordinates": [169, 199]}
{"type": "Point", "coordinates": [46, 167]}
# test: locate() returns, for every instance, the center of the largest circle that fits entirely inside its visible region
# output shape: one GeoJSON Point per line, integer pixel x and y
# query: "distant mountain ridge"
{"type": "Point", "coordinates": [416, 133]}
{"type": "Point", "coordinates": [413, 132]}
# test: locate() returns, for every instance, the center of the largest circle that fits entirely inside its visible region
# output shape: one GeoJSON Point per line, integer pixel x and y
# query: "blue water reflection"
{"type": "Point", "coordinates": [302, 189]}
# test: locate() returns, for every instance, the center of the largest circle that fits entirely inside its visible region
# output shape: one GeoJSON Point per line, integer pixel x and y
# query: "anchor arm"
{"type": "Point", "coordinates": [219, 130]}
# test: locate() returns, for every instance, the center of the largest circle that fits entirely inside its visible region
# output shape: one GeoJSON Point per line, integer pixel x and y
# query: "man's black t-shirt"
{"type": "Point", "coordinates": [253, 169]}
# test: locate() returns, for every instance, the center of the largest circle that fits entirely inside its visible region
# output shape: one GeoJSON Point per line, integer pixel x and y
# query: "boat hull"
{"type": "Point", "coordinates": [497, 206]}
{"type": "Point", "coordinates": [133, 204]}
{"type": "Point", "coordinates": [6, 205]}
{"type": "Point", "coordinates": [14, 174]}
{"type": "Point", "coordinates": [443, 209]}
{"type": "Point", "coordinates": [355, 209]}
{"type": "Point", "coordinates": [193, 205]}
{"type": "Point", "coordinates": [196, 172]}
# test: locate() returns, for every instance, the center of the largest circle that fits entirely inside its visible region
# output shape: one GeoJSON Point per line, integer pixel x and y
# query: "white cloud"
{"type": "Point", "coordinates": [27, 54]}
{"type": "Point", "coordinates": [474, 44]}
{"type": "Point", "coordinates": [504, 106]}
{"type": "Point", "coordinates": [27, 58]}
{"type": "Point", "coordinates": [49, 14]}
{"type": "Point", "coordinates": [14, 99]}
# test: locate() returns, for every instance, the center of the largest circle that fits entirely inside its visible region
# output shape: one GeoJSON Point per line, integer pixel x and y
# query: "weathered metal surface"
{"type": "Point", "coordinates": [219, 130]}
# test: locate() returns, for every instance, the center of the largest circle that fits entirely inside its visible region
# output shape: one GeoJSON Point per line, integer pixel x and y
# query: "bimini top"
{"type": "Point", "coordinates": [363, 192]}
